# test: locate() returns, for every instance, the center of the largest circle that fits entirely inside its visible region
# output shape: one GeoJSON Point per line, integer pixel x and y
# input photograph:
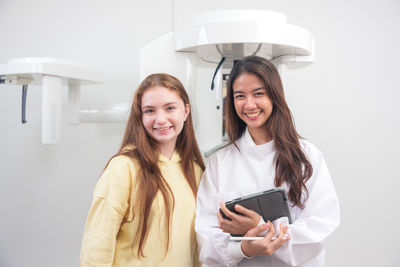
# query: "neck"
{"type": "Point", "coordinates": [167, 150]}
{"type": "Point", "coordinates": [259, 135]}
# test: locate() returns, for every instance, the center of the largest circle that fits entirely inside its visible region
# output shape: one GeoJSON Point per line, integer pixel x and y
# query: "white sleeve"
{"type": "Point", "coordinates": [215, 247]}
{"type": "Point", "coordinates": [312, 225]}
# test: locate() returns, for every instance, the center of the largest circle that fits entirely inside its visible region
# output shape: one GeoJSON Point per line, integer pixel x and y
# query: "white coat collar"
{"type": "Point", "coordinates": [246, 142]}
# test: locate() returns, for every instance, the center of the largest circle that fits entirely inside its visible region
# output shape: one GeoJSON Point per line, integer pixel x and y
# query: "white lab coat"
{"type": "Point", "coordinates": [231, 173]}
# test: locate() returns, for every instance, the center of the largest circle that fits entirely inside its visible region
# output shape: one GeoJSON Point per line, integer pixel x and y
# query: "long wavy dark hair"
{"type": "Point", "coordinates": [140, 146]}
{"type": "Point", "coordinates": [291, 164]}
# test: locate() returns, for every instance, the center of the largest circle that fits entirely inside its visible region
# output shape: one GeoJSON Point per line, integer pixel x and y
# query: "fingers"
{"type": "Point", "coordinates": [246, 212]}
{"type": "Point", "coordinates": [281, 238]}
{"type": "Point", "coordinates": [234, 223]}
{"type": "Point", "coordinates": [224, 209]}
{"type": "Point", "coordinates": [283, 232]}
{"type": "Point", "coordinates": [224, 224]}
{"type": "Point", "coordinates": [227, 212]}
{"type": "Point", "coordinates": [268, 245]}
{"type": "Point", "coordinates": [271, 233]}
{"type": "Point", "coordinates": [257, 230]}
{"type": "Point", "coordinates": [220, 219]}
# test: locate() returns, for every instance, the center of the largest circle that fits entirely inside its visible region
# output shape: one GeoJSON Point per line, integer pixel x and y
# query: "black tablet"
{"type": "Point", "coordinates": [271, 204]}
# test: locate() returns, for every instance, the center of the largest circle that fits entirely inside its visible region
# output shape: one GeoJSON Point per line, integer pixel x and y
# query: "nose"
{"type": "Point", "coordinates": [161, 117]}
{"type": "Point", "coordinates": [250, 103]}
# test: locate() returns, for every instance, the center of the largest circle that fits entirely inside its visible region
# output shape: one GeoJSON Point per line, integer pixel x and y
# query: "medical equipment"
{"type": "Point", "coordinates": [51, 74]}
{"type": "Point", "coordinates": [213, 38]}
{"type": "Point", "coordinates": [191, 53]}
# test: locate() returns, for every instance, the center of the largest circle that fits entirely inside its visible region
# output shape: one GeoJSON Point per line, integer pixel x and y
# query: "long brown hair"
{"type": "Point", "coordinates": [140, 146]}
{"type": "Point", "coordinates": [291, 164]}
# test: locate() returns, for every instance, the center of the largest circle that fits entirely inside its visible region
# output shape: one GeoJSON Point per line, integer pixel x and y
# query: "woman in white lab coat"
{"type": "Point", "coordinates": [265, 152]}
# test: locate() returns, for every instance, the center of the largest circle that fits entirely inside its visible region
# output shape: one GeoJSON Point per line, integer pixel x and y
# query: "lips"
{"type": "Point", "coordinates": [162, 129]}
{"type": "Point", "coordinates": [252, 115]}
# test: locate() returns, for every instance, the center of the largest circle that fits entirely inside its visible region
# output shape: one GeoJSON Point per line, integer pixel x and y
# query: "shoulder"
{"type": "Point", "coordinates": [221, 159]}
{"type": "Point", "coordinates": [225, 152]}
{"type": "Point", "coordinates": [122, 162]}
{"type": "Point", "coordinates": [312, 152]}
{"type": "Point", "coordinates": [116, 183]}
{"type": "Point", "coordinates": [119, 174]}
{"type": "Point", "coordinates": [308, 147]}
{"type": "Point", "coordinates": [121, 168]}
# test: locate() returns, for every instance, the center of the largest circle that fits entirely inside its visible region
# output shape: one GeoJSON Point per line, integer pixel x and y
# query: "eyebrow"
{"type": "Point", "coordinates": [167, 104]}
{"type": "Point", "coordinates": [254, 90]}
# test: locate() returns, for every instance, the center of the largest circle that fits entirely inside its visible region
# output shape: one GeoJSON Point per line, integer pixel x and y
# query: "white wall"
{"type": "Point", "coordinates": [345, 103]}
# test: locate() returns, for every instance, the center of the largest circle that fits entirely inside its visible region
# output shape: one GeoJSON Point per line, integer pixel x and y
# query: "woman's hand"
{"type": "Point", "coordinates": [266, 246]}
{"type": "Point", "coordinates": [239, 224]}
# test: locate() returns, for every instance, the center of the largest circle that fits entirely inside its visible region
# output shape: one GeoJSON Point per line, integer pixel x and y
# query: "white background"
{"type": "Point", "coordinates": [346, 103]}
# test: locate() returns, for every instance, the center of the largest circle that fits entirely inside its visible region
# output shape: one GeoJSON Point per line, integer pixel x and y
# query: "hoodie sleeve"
{"type": "Point", "coordinates": [110, 204]}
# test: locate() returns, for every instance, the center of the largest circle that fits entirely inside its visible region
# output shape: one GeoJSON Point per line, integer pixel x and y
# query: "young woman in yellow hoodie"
{"type": "Point", "coordinates": [143, 206]}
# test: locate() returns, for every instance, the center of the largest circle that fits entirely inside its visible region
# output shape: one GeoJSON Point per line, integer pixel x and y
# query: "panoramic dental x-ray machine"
{"type": "Point", "coordinates": [200, 54]}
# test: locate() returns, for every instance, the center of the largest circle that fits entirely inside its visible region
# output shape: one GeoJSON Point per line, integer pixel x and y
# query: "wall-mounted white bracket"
{"type": "Point", "coordinates": [51, 74]}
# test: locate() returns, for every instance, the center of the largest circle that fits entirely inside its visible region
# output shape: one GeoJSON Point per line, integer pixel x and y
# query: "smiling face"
{"type": "Point", "coordinates": [252, 105]}
{"type": "Point", "coordinates": [163, 115]}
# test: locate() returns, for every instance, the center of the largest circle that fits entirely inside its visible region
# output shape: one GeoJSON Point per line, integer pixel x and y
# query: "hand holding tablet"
{"type": "Point", "coordinates": [271, 205]}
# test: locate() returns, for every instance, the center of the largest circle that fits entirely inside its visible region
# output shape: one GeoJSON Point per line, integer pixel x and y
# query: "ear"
{"type": "Point", "coordinates": [187, 111]}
